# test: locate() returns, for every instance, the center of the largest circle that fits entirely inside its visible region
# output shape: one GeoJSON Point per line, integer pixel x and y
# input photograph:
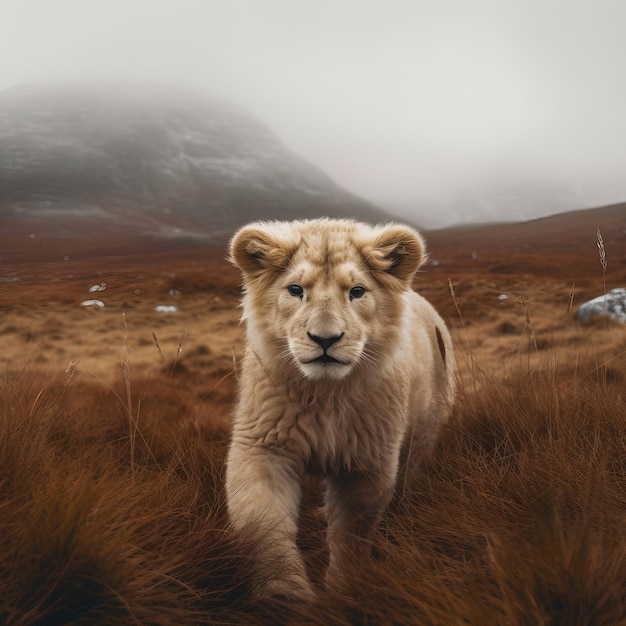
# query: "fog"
{"type": "Point", "coordinates": [443, 112]}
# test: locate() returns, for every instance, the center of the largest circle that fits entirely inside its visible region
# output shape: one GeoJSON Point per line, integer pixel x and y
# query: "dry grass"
{"type": "Point", "coordinates": [111, 495]}
{"type": "Point", "coordinates": [112, 510]}
{"type": "Point", "coordinates": [106, 519]}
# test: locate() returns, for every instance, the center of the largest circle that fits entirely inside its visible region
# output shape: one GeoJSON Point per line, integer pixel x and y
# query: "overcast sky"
{"type": "Point", "coordinates": [441, 110]}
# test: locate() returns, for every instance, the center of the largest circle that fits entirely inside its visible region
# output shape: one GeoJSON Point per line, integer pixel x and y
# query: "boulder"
{"type": "Point", "coordinates": [613, 305]}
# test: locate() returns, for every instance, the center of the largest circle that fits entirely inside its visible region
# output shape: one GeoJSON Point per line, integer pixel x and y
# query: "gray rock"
{"type": "Point", "coordinates": [613, 304]}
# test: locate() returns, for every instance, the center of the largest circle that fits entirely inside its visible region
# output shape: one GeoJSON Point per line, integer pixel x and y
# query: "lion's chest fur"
{"type": "Point", "coordinates": [328, 428]}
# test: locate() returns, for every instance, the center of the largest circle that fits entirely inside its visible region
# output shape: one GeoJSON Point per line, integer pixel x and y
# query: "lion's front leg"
{"type": "Point", "coordinates": [263, 491]}
{"type": "Point", "coordinates": [355, 502]}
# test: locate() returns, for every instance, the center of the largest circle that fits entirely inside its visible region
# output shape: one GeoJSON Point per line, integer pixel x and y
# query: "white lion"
{"type": "Point", "coordinates": [345, 365]}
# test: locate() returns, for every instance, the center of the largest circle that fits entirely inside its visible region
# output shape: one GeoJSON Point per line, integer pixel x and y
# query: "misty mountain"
{"type": "Point", "coordinates": [154, 162]}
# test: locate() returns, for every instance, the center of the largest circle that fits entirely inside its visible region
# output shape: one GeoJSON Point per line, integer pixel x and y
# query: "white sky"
{"type": "Point", "coordinates": [440, 110]}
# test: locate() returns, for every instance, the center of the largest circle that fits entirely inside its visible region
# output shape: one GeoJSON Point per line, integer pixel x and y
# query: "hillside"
{"type": "Point", "coordinates": [553, 263]}
{"type": "Point", "coordinates": [563, 245]}
{"type": "Point", "coordinates": [121, 161]}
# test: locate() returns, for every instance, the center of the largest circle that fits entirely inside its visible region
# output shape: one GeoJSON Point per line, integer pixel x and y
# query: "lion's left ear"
{"type": "Point", "coordinates": [397, 250]}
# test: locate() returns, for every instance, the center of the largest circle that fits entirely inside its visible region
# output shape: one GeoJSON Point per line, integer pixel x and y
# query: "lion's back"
{"type": "Point", "coordinates": [429, 360]}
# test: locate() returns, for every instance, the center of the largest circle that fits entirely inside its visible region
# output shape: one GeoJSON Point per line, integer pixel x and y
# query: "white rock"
{"type": "Point", "coordinates": [162, 308]}
{"type": "Point", "coordinates": [613, 304]}
{"type": "Point", "coordinates": [97, 303]}
{"type": "Point", "coordinates": [503, 296]}
{"type": "Point", "coordinates": [100, 287]}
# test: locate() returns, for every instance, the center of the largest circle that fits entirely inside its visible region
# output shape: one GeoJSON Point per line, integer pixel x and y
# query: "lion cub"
{"type": "Point", "coordinates": [344, 366]}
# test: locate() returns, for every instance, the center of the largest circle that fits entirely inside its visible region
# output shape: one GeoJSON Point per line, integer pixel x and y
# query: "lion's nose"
{"type": "Point", "coordinates": [325, 342]}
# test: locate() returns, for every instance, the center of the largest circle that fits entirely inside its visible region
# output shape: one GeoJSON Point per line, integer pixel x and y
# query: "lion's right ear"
{"type": "Point", "coordinates": [262, 246]}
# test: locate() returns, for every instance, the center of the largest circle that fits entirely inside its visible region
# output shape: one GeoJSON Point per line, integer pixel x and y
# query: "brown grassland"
{"type": "Point", "coordinates": [114, 425]}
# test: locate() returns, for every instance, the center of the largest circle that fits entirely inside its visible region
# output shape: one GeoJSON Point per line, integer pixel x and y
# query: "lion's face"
{"type": "Point", "coordinates": [327, 315]}
{"type": "Point", "coordinates": [324, 295]}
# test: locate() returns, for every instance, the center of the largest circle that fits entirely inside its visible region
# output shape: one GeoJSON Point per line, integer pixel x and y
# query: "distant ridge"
{"type": "Point", "coordinates": [564, 244]}
{"type": "Point", "coordinates": [151, 162]}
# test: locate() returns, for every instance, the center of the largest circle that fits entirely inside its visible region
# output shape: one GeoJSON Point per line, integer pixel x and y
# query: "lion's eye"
{"type": "Point", "coordinates": [357, 292]}
{"type": "Point", "coordinates": [295, 290]}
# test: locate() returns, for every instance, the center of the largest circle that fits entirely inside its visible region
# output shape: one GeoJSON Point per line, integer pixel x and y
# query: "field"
{"type": "Point", "coordinates": [114, 423]}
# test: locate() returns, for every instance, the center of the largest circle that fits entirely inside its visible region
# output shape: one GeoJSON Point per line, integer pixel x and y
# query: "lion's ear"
{"type": "Point", "coordinates": [261, 246]}
{"type": "Point", "coordinates": [396, 250]}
